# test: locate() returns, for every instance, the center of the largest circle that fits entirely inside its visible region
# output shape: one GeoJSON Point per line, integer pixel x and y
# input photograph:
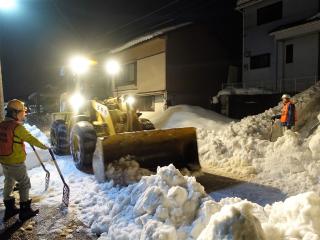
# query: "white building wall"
{"type": "Point", "coordinates": [300, 73]}
{"type": "Point", "coordinates": [151, 74]}
{"type": "Point", "coordinates": [258, 41]}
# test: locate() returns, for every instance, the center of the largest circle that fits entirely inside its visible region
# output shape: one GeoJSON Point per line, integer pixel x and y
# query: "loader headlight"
{"type": "Point", "coordinates": [130, 100]}
{"type": "Point", "coordinates": [80, 65]}
{"type": "Point", "coordinates": [76, 101]}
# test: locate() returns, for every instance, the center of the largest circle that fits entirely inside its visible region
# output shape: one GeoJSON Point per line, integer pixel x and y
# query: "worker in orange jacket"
{"type": "Point", "coordinates": [288, 115]}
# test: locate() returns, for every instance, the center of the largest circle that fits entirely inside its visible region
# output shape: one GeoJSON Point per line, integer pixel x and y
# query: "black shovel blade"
{"type": "Point", "coordinates": [66, 195]}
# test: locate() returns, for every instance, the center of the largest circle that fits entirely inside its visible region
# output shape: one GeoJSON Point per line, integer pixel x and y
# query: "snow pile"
{"type": "Point", "coordinates": [243, 149]}
{"type": "Point", "coordinates": [190, 116]}
{"type": "Point", "coordinates": [164, 204]}
{"type": "Point", "coordinates": [126, 171]}
{"type": "Point", "coordinates": [171, 206]}
{"type": "Point", "coordinates": [295, 218]}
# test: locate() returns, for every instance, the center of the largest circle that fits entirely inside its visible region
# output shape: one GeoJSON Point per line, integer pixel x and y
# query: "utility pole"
{"type": "Point", "coordinates": [1, 96]}
{"type": "Point", "coordinates": [5, 5]}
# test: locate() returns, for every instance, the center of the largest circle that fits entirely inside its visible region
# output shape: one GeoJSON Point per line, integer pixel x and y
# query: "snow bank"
{"type": "Point", "coordinates": [190, 116]}
{"type": "Point", "coordinates": [244, 149]}
{"type": "Point", "coordinates": [171, 206]}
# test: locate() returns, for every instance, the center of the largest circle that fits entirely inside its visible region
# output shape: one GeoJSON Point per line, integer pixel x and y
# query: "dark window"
{"type": "Point", "coordinates": [128, 75]}
{"type": "Point", "coordinates": [289, 53]}
{"type": "Point", "coordinates": [260, 61]}
{"type": "Point", "coordinates": [269, 13]}
{"type": "Point", "coordinates": [145, 103]}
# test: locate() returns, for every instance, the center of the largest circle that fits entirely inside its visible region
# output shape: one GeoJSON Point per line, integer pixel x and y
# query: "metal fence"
{"type": "Point", "coordinates": [298, 84]}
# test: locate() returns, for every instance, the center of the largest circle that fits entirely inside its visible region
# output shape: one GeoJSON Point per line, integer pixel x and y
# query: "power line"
{"type": "Point", "coordinates": [66, 20]}
{"type": "Point", "coordinates": [138, 19]}
{"type": "Point", "coordinates": [170, 17]}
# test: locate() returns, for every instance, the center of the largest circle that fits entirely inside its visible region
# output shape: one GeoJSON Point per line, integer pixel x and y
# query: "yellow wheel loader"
{"type": "Point", "coordinates": [110, 129]}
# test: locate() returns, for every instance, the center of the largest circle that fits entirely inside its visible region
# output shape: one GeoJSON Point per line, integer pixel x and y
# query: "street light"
{"type": "Point", "coordinates": [113, 68]}
{"type": "Point", "coordinates": [5, 5]}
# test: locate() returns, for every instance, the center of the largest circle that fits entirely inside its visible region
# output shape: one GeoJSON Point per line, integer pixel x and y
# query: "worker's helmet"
{"type": "Point", "coordinates": [285, 96]}
{"type": "Point", "coordinates": [16, 105]}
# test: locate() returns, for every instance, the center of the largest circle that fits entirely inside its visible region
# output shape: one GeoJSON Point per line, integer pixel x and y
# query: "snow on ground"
{"type": "Point", "coordinates": [167, 205]}
{"type": "Point", "coordinates": [290, 163]}
{"type": "Point", "coordinates": [190, 116]}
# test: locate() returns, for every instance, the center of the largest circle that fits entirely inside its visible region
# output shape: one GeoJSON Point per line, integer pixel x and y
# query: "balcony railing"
{"type": "Point", "coordinates": [298, 84]}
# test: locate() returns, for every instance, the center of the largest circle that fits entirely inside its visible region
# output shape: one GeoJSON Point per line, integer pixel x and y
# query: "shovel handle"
{"type": "Point", "coordinates": [66, 189]}
{"type": "Point", "coordinates": [44, 168]}
{"type": "Point", "coordinates": [56, 164]}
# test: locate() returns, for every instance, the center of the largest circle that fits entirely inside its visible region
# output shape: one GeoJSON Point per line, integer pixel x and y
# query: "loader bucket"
{"type": "Point", "coordinates": [150, 149]}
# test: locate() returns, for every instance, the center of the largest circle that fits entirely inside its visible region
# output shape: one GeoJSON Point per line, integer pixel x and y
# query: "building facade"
{"type": "Point", "coordinates": [182, 64]}
{"type": "Point", "coordinates": [281, 40]}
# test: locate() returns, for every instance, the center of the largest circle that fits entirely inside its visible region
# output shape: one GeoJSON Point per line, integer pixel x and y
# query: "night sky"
{"type": "Point", "coordinates": [40, 35]}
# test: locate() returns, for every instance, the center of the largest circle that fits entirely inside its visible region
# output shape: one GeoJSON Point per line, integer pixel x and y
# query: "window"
{"type": "Point", "coordinates": [128, 75]}
{"type": "Point", "coordinates": [260, 61]}
{"type": "Point", "coordinates": [289, 53]}
{"type": "Point", "coordinates": [145, 103]}
{"type": "Point", "coordinates": [269, 13]}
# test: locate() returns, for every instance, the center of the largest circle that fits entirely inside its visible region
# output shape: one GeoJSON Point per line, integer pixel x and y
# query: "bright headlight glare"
{"type": "Point", "coordinates": [130, 100]}
{"type": "Point", "coordinates": [76, 101]}
{"type": "Point", "coordinates": [79, 65]}
{"type": "Point", "coordinates": [112, 67]}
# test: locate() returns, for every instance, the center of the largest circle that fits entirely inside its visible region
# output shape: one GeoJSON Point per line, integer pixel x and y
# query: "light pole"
{"type": "Point", "coordinates": [5, 5]}
{"type": "Point", "coordinates": [113, 68]}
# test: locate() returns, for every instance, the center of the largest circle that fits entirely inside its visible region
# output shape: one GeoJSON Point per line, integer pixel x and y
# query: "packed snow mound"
{"type": "Point", "coordinates": [190, 116]}
{"type": "Point", "coordinates": [297, 217]}
{"type": "Point", "coordinates": [291, 163]}
{"type": "Point", "coordinates": [168, 205]}
{"type": "Point", "coordinates": [233, 222]}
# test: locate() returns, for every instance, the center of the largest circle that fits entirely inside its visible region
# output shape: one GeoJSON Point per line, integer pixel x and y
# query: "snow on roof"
{"type": "Point", "coordinates": [245, 3]}
{"type": "Point", "coordinates": [148, 37]}
{"type": "Point", "coordinates": [311, 19]}
{"type": "Point", "coordinates": [239, 91]}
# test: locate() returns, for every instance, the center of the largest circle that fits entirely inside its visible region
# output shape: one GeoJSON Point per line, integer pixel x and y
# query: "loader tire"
{"type": "Point", "coordinates": [59, 137]}
{"type": "Point", "coordinates": [83, 140]}
{"type": "Point", "coordinates": [146, 124]}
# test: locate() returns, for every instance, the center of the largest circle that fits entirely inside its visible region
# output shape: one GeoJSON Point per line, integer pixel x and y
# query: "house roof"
{"type": "Point", "coordinates": [313, 18]}
{"type": "Point", "coordinates": [148, 36]}
{"type": "Point", "coordinates": [246, 3]}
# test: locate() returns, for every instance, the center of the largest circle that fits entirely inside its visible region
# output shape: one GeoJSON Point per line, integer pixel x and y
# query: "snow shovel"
{"type": "Point", "coordinates": [66, 189]}
{"type": "Point", "coordinates": [44, 168]}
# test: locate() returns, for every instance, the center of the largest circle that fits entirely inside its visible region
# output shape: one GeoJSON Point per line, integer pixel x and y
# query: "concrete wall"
{"type": "Point", "coordinates": [258, 41]}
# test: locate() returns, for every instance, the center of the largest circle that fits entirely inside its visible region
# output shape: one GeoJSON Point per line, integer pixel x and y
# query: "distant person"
{"type": "Point", "coordinates": [288, 116]}
{"type": "Point", "coordinates": [12, 158]}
